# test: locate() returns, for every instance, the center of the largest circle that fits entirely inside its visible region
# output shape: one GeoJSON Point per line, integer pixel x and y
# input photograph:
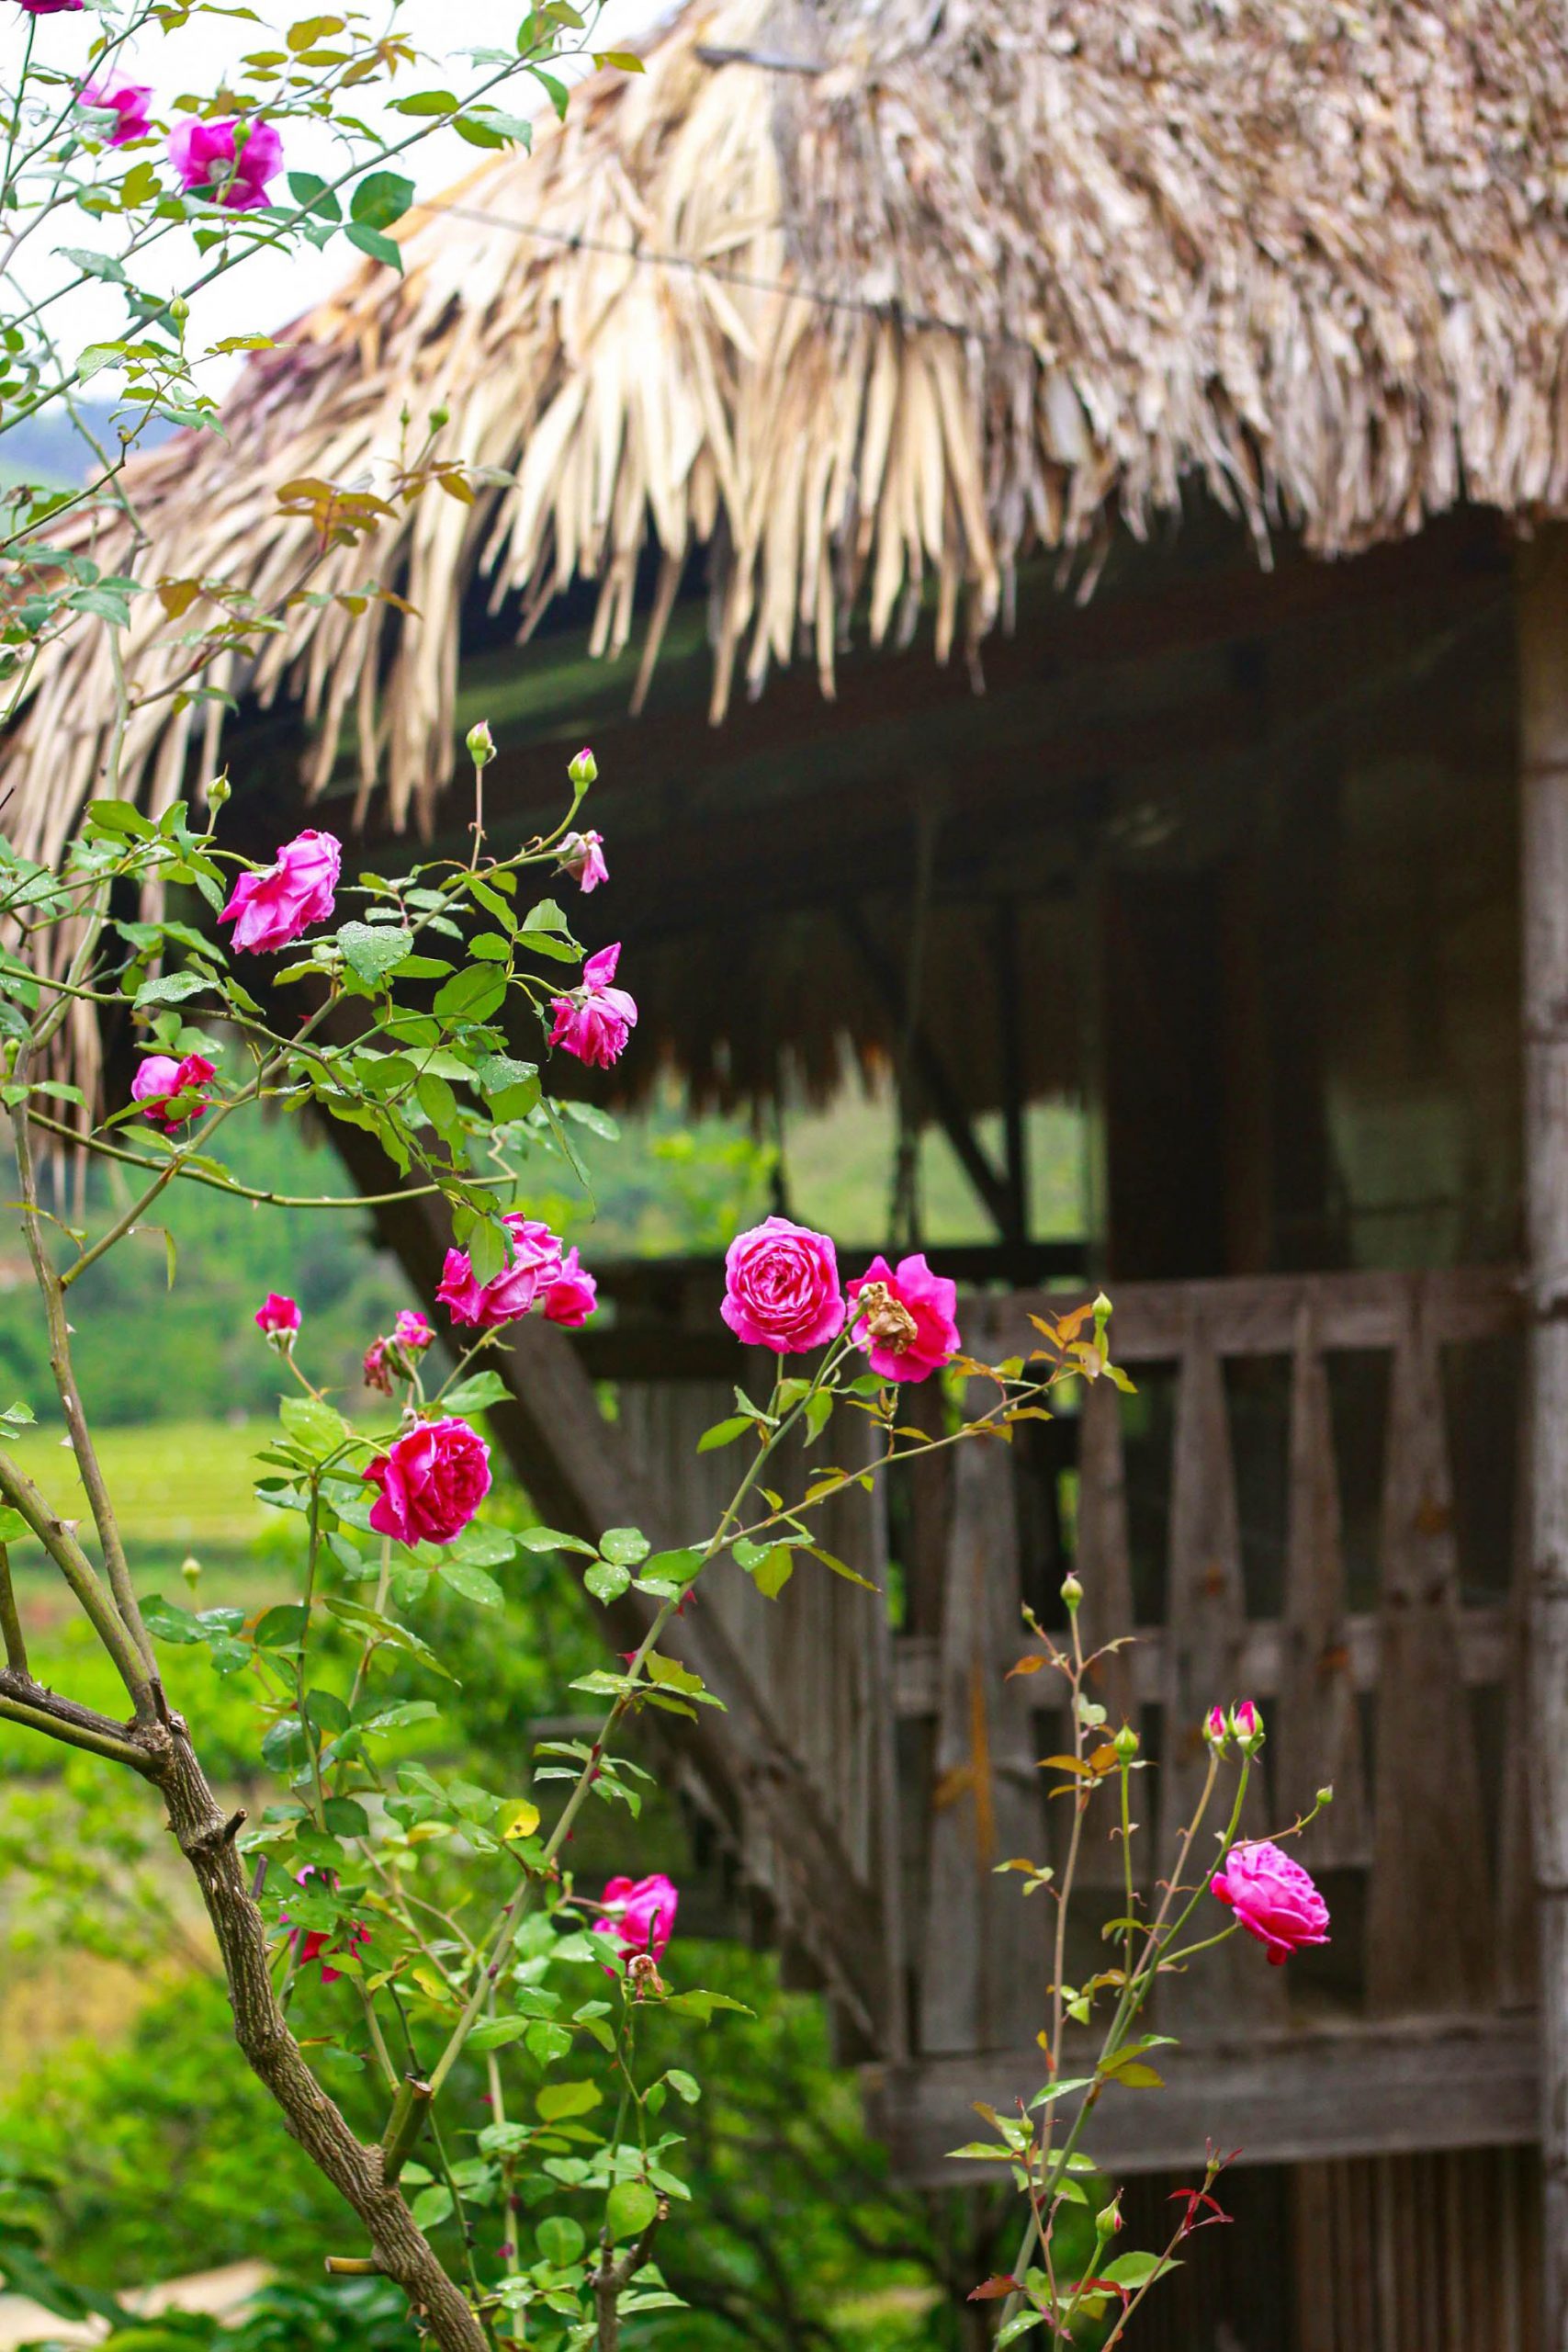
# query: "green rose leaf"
{"type": "Point", "coordinates": [629, 2208]}
{"type": "Point", "coordinates": [371, 951]}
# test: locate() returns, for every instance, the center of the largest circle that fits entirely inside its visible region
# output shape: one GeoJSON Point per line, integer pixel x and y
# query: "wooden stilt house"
{"type": "Point", "coordinates": [1066, 501]}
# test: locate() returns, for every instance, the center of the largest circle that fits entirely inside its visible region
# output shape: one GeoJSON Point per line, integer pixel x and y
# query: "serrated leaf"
{"type": "Point", "coordinates": [629, 2208]}
{"type": "Point", "coordinates": [373, 950]}
{"type": "Point", "coordinates": [379, 248]}
{"type": "Point", "coordinates": [472, 1583]}
{"type": "Point", "coordinates": [472, 1395]}
{"type": "Point", "coordinates": [723, 1433]}
{"type": "Point", "coordinates": [606, 1581]}
{"type": "Point", "coordinates": [558, 2101]}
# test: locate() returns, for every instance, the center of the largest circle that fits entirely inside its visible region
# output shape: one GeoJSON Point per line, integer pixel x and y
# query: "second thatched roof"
{"type": "Point", "coordinates": [862, 295]}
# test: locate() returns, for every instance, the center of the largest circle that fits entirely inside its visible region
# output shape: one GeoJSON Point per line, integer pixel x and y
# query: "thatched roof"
{"type": "Point", "coordinates": [992, 274]}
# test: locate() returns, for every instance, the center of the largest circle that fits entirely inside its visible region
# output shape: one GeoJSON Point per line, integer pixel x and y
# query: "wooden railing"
{"type": "Point", "coordinates": [1276, 1514]}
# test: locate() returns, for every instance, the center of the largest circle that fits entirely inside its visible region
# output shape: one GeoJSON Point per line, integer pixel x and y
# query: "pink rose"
{"type": "Point", "coordinates": [128, 100]}
{"type": "Point", "coordinates": [432, 1481]}
{"type": "Point", "coordinates": [1247, 1721]}
{"type": "Point", "coordinates": [535, 1264]}
{"type": "Point", "coordinates": [162, 1080]}
{"type": "Point", "coordinates": [905, 1323]}
{"type": "Point", "coordinates": [583, 857]}
{"type": "Point", "coordinates": [270, 908]}
{"type": "Point", "coordinates": [594, 1021]}
{"type": "Point", "coordinates": [781, 1287]}
{"type": "Point", "coordinates": [572, 1296]}
{"type": "Point", "coordinates": [1273, 1899]}
{"type": "Point", "coordinates": [1217, 1728]}
{"type": "Point", "coordinates": [203, 154]}
{"type": "Point", "coordinates": [278, 1317]}
{"type": "Point", "coordinates": [412, 1332]}
{"type": "Point", "coordinates": [375, 1372]}
{"type": "Point", "coordinates": [640, 1913]}
{"type": "Point", "coordinates": [49, 7]}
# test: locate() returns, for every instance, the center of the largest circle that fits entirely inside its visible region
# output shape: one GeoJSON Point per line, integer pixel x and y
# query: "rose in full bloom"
{"type": "Point", "coordinates": [535, 1263]}
{"type": "Point", "coordinates": [583, 857]}
{"type": "Point", "coordinates": [781, 1287]}
{"type": "Point", "coordinates": [160, 1080]}
{"type": "Point", "coordinates": [1273, 1899]}
{"type": "Point", "coordinates": [640, 1913]}
{"type": "Point", "coordinates": [572, 1296]}
{"type": "Point", "coordinates": [278, 1317]}
{"type": "Point", "coordinates": [128, 100]}
{"type": "Point", "coordinates": [204, 155]}
{"type": "Point", "coordinates": [432, 1482]}
{"type": "Point", "coordinates": [904, 1318]}
{"type": "Point", "coordinates": [594, 1021]}
{"type": "Point", "coordinates": [270, 908]}
{"type": "Point", "coordinates": [316, 1940]}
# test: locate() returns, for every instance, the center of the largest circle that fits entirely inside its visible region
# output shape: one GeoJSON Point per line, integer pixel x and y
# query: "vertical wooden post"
{"type": "Point", "coordinates": [1543, 751]}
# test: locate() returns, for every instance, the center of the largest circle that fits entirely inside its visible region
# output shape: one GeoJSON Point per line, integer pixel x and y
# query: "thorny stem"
{"type": "Point", "coordinates": [1135, 1993]}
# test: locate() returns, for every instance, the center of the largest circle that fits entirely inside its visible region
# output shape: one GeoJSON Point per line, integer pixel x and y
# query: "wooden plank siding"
{"type": "Point", "coordinates": [922, 1757]}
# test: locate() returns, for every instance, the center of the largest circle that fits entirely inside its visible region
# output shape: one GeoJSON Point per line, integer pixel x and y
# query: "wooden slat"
{"type": "Point", "coordinates": [1483, 1635]}
{"type": "Point", "coordinates": [983, 1959]}
{"type": "Point", "coordinates": [1319, 1729]}
{"type": "Point", "coordinates": [1258, 1314]}
{"type": "Point", "coordinates": [1207, 1609]}
{"type": "Point", "coordinates": [1287, 2096]}
{"type": "Point", "coordinates": [1104, 1568]}
{"type": "Point", "coordinates": [1429, 1910]}
{"type": "Point", "coordinates": [1518, 1973]}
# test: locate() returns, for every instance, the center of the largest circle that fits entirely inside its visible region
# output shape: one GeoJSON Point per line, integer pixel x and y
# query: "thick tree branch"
{"type": "Point", "coordinates": [23, 1701]}
{"type": "Point", "coordinates": [398, 2249]}
{"type": "Point", "coordinates": [85, 1581]}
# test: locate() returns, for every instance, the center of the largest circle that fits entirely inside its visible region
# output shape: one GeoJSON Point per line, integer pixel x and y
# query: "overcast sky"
{"type": "Point", "coordinates": [273, 287]}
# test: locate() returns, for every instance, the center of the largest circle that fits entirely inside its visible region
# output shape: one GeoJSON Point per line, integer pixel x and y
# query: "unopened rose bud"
{"type": "Point", "coordinates": [1217, 1729]}
{"type": "Point", "coordinates": [1247, 1721]}
{"type": "Point", "coordinates": [1324, 1796]}
{"type": "Point", "coordinates": [179, 309]}
{"type": "Point", "coordinates": [438, 417]}
{"type": "Point", "coordinates": [1108, 2221]}
{"type": "Point", "coordinates": [219, 790]}
{"type": "Point", "coordinates": [1072, 1593]}
{"type": "Point", "coordinates": [190, 1568]}
{"type": "Point", "coordinates": [1126, 1744]}
{"type": "Point", "coordinates": [584, 768]}
{"type": "Point", "coordinates": [481, 744]}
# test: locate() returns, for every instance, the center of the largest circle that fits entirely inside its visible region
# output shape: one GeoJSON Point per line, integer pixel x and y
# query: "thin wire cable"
{"type": "Point", "coordinates": [727, 274]}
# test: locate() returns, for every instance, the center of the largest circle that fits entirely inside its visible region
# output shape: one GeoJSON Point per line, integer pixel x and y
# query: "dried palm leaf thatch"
{"type": "Point", "coordinates": [988, 273]}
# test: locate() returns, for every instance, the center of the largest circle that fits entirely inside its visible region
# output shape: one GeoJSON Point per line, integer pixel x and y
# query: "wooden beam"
{"type": "Point", "coordinates": [1256, 1315]}
{"type": "Point", "coordinates": [1264, 1659]}
{"type": "Point", "coordinates": [583, 1480]}
{"type": "Point", "coordinates": [1543, 759]}
{"type": "Point", "coordinates": [1283, 2097]}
